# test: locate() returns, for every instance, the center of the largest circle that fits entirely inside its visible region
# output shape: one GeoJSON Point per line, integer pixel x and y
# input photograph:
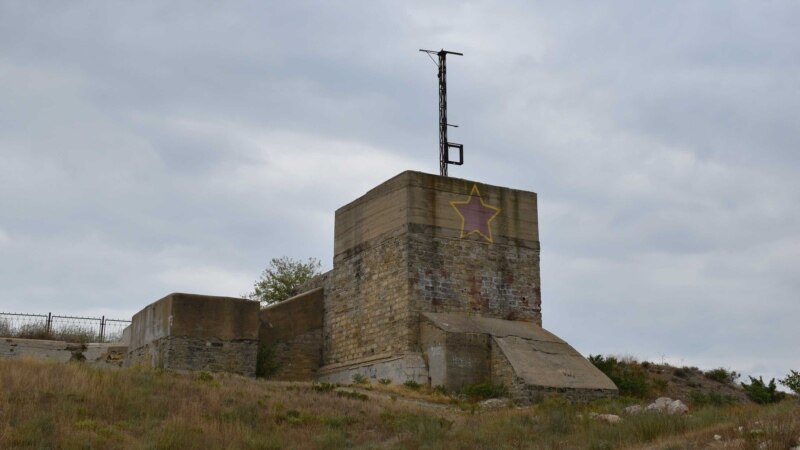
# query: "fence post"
{"type": "Point", "coordinates": [49, 325]}
{"type": "Point", "coordinates": [102, 327]}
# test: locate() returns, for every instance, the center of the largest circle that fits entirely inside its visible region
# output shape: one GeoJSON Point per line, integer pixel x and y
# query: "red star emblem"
{"type": "Point", "coordinates": [476, 216]}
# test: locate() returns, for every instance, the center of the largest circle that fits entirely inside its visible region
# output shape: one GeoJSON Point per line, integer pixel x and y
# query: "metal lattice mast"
{"type": "Point", "coordinates": [444, 144]}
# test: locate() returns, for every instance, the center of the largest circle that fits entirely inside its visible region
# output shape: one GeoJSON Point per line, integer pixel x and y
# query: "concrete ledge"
{"type": "Point", "coordinates": [398, 369]}
{"type": "Point", "coordinates": [94, 354]}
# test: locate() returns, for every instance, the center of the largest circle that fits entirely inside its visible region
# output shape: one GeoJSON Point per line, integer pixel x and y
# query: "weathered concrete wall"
{"type": "Point", "coordinates": [94, 354]}
{"type": "Point", "coordinates": [196, 332]}
{"type": "Point", "coordinates": [292, 332]}
{"type": "Point", "coordinates": [455, 360]}
{"type": "Point", "coordinates": [398, 369]}
{"type": "Point", "coordinates": [473, 248]}
{"type": "Point", "coordinates": [418, 243]}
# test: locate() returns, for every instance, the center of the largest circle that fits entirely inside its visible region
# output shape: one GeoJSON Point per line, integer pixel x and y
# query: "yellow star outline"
{"type": "Point", "coordinates": [476, 191]}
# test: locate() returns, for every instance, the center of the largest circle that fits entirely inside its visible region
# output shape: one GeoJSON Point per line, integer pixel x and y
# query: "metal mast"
{"type": "Point", "coordinates": [444, 145]}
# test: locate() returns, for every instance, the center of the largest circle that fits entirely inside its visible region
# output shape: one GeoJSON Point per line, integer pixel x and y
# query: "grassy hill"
{"type": "Point", "coordinates": [48, 405]}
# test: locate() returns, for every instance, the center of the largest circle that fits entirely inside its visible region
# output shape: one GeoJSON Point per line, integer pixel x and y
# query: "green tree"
{"type": "Point", "coordinates": [792, 381]}
{"type": "Point", "coordinates": [283, 279]}
{"type": "Point", "coordinates": [762, 393]}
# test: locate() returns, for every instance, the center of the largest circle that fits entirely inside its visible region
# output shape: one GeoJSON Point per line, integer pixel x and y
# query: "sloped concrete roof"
{"type": "Point", "coordinates": [537, 356]}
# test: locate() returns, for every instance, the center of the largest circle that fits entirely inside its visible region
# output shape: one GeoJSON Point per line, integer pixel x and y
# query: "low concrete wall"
{"type": "Point", "coordinates": [196, 332]}
{"type": "Point", "coordinates": [290, 332]}
{"type": "Point", "coordinates": [94, 354]}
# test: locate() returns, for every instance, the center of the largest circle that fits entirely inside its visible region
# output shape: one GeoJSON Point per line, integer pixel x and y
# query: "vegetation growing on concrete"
{"type": "Point", "coordinates": [49, 405]}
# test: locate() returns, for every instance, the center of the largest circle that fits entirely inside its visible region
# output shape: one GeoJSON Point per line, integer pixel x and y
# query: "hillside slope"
{"type": "Point", "coordinates": [51, 405]}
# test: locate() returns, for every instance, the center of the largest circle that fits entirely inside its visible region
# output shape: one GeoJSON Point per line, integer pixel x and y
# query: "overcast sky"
{"type": "Point", "coordinates": [153, 147]}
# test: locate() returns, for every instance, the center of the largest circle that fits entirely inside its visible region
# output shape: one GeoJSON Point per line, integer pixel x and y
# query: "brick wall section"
{"type": "Point", "coordinates": [368, 313]}
{"type": "Point", "coordinates": [213, 355]}
{"type": "Point", "coordinates": [478, 278]}
{"type": "Point", "coordinates": [209, 354]}
{"type": "Point", "coordinates": [298, 359]}
{"type": "Point", "coordinates": [292, 330]}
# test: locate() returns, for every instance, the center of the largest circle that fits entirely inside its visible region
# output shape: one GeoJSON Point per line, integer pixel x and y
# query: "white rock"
{"type": "Point", "coordinates": [634, 409]}
{"type": "Point", "coordinates": [677, 407]}
{"type": "Point", "coordinates": [661, 404]}
{"type": "Point", "coordinates": [717, 437]}
{"type": "Point", "coordinates": [608, 418]}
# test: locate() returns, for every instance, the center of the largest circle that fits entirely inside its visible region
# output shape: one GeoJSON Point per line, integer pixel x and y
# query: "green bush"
{"type": "Point", "coordinates": [413, 385]}
{"type": "Point", "coordinates": [352, 394]}
{"type": "Point", "coordinates": [323, 387]}
{"type": "Point", "coordinates": [660, 385]}
{"type": "Point", "coordinates": [700, 398]}
{"type": "Point", "coordinates": [359, 378]}
{"type": "Point", "coordinates": [762, 393]}
{"type": "Point", "coordinates": [385, 381]}
{"type": "Point", "coordinates": [681, 372]}
{"type": "Point", "coordinates": [722, 375]}
{"type": "Point", "coordinates": [483, 391]}
{"type": "Point", "coordinates": [630, 377]}
{"type": "Point", "coordinates": [792, 381]}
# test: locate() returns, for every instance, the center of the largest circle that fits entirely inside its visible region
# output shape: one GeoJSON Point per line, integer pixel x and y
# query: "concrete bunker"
{"type": "Point", "coordinates": [435, 280]}
{"type": "Point", "coordinates": [196, 332]}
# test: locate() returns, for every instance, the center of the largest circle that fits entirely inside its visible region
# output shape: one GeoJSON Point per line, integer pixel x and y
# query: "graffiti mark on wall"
{"type": "Point", "coordinates": [476, 215]}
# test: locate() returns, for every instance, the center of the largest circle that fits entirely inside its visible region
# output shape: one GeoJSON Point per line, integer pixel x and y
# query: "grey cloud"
{"type": "Point", "coordinates": [147, 148]}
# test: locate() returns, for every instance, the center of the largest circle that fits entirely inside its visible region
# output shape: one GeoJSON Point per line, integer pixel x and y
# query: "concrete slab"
{"type": "Point", "coordinates": [538, 359]}
{"type": "Point", "coordinates": [552, 365]}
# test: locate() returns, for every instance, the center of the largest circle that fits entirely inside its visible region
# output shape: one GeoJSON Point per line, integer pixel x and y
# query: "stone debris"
{"type": "Point", "coordinates": [677, 407]}
{"type": "Point", "coordinates": [494, 403]}
{"type": "Point", "coordinates": [607, 418]}
{"type": "Point", "coordinates": [660, 404]}
{"type": "Point", "coordinates": [634, 409]}
{"type": "Point", "coordinates": [666, 404]}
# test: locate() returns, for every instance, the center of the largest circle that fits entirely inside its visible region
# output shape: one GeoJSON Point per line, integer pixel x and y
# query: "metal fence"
{"type": "Point", "coordinates": [61, 328]}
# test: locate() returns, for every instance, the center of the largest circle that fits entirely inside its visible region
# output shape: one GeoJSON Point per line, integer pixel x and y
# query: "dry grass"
{"type": "Point", "coordinates": [49, 405]}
